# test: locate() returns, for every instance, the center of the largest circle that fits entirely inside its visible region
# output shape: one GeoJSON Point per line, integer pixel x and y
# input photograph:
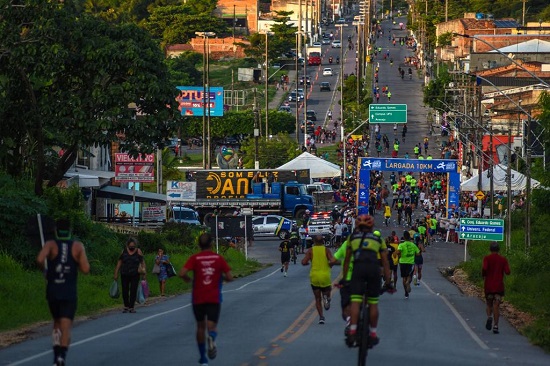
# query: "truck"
{"type": "Point", "coordinates": [314, 56]}
{"type": "Point", "coordinates": [266, 191]}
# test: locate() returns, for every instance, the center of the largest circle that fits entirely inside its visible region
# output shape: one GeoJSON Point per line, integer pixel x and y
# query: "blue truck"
{"type": "Point", "coordinates": [266, 191]}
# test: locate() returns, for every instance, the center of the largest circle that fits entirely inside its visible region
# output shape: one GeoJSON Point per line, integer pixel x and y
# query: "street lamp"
{"type": "Point", "coordinates": [342, 137]}
{"type": "Point", "coordinates": [206, 98]}
{"type": "Point", "coordinates": [503, 54]}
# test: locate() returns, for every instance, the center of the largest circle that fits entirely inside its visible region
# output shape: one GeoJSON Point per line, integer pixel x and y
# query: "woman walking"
{"type": "Point", "coordinates": [162, 260]}
{"type": "Point", "coordinates": [128, 264]}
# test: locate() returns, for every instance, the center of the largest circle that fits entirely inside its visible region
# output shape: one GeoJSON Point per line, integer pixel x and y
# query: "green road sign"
{"type": "Point", "coordinates": [388, 113]}
{"type": "Point", "coordinates": [481, 229]}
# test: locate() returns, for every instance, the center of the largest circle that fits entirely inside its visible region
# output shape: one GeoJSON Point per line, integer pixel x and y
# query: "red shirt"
{"type": "Point", "coordinates": [207, 268]}
{"type": "Point", "coordinates": [494, 268]}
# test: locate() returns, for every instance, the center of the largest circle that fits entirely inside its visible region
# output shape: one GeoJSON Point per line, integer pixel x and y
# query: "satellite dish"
{"type": "Point", "coordinates": [451, 85]}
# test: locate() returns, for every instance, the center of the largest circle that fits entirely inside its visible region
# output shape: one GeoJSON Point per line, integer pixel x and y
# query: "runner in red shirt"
{"type": "Point", "coordinates": [208, 269]}
{"type": "Point", "coordinates": [495, 266]}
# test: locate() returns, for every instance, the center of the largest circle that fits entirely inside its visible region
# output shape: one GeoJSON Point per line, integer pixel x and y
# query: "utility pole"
{"type": "Point", "coordinates": [296, 81]}
{"type": "Point", "coordinates": [480, 160]}
{"type": "Point", "coordinates": [299, 47]}
{"type": "Point", "coordinates": [491, 171]}
{"type": "Point", "coordinates": [266, 89]}
{"type": "Point", "coordinates": [528, 188]}
{"type": "Point", "coordinates": [305, 100]}
{"type": "Point", "coordinates": [256, 132]}
{"type": "Point", "coordinates": [509, 192]}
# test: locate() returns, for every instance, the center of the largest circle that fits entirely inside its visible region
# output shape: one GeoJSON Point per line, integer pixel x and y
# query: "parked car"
{"type": "Point", "coordinates": [336, 44]}
{"type": "Point", "coordinates": [184, 215]}
{"type": "Point", "coordinates": [311, 115]}
{"type": "Point", "coordinates": [268, 225]}
{"type": "Point", "coordinates": [327, 71]}
{"type": "Point", "coordinates": [324, 86]}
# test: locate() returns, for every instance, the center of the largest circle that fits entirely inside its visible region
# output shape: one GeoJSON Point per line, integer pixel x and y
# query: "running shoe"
{"type": "Point", "coordinates": [326, 302]}
{"type": "Point", "coordinates": [495, 329]}
{"type": "Point", "coordinates": [60, 361]}
{"type": "Point", "coordinates": [203, 362]}
{"type": "Point", "coordinates": [489, 323]}
{"type": "Point", "coordinates": [285, 274]}
{"type": "Point", "coordinates": [212, 350]}
{"type": "Point", "coordinates": [322, 320]}
{"type": "Point", "coordinates": [351, 339]}
{"type": "Point", "coordinates": [406, 295]}
{"type": "Point", "coordinates": [282, 268]}
{"type": "Point", "coordinates": [373, 340]}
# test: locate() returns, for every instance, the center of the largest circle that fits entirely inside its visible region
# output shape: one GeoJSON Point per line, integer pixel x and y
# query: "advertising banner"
{"type": "Point", "coordinates": [181, 191]}
{"type": "Point", "coordinates": [139, 169]}
{"type": "Point", "coordinates": [191, 101]}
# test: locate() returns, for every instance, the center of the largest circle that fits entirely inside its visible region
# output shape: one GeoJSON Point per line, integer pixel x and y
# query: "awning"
{"type": "Point", "coordinates": [124, 194]}
{"type": "Point", "coordinates": [91, 178]}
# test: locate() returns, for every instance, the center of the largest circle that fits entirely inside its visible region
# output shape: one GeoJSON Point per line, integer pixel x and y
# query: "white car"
{"type": "Point", "coordinates": [268, 225]}
{"type": "Point", "coordinates": [327, 71]}
{"type": "Point", "coordinates": [336, 44]}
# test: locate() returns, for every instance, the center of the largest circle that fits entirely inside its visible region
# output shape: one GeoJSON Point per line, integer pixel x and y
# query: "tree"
{"type": "Point", "coordinates": [271, 153]}
{"type": "Point", "coordinates": [68, 80]}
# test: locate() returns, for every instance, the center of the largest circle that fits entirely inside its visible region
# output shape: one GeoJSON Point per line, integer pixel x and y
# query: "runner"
{"type": "Point", "coordinates": [495, 266]}
{"type": "Point", "coordinates": [387, 214]}
{"type": "Point", "coordinates": [321, 259]}
{"type": "Point", "coordinates": [418, 260]}
{"type": "Point", "coordinates": [286, 250]}
{"type": "Point", "coordinates": [406, 251]}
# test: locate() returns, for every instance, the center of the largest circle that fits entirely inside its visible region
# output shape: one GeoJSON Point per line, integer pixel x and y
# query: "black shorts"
{"type": "Point", "coordinates": [366, 273]}
{"type": "Point", "coordinates": [418, 260]}
{"type": "Point", "coordinates": [393, 267]}
{"type": "Point", "coordinates": [62, 308]}
{"type": "Point", "coordinates": [345, 295]}
{"type": "Point", "coordinates": [322, 289]}
{"type": "Point", "coordinates": [285, 258]}
{"type": "Point", "coordinates": [210, 310]}
{"type": "Point", "coordinates": [406, 269]}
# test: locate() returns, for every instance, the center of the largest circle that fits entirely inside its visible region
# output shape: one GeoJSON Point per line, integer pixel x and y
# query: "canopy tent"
{"type": "Point", "coordinates": [318, 168]}
{"type": "Point", "coordinates": [518, 180]}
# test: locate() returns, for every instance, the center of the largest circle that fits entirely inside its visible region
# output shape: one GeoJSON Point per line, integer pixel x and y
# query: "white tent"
{"type": "Point", "coordinates": [518, 180]}
{"type": "Point", "coordinates": [318, 168]}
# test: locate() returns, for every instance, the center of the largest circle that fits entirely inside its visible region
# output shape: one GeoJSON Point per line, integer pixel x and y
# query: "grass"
{"type": "Point", "coordinates": [24, 300]}
{"type": "Point", "coordinates": [332, 154]}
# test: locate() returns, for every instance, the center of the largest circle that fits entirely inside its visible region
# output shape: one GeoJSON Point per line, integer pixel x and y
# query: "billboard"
{"type": "Point", "coordinates": [191, 101]}
{"type": "Point", "coordinates": [139, 169]}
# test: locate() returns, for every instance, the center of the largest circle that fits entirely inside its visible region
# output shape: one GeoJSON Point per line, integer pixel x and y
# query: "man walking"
{"type": "Point", "coordinates": [321, 259]}
{"type": "Point", "coordinates": [60, 260]}
{"type": "Point", "coordinates": [209, 269]}
{"type": "Point", "coordinates": [495, 266]}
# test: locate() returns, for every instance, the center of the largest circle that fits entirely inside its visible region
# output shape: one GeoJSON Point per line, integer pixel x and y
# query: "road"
{"type": "Point", "coordinates": [269, 320]}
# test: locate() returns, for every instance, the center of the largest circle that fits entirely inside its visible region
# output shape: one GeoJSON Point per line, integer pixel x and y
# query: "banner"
{"type": "Point", "coordinates": [139, 169]}
{"type": "Point", "coordinates": [191, 101]}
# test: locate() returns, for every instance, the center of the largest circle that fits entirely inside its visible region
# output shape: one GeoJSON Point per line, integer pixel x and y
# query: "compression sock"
{"type": "Point", "coordinates": [56, 353]}
{"type": "Point", "coordinates": [213, 334]}
{"type": "Point", "coordinates": [63, 352]}
{"type": "Point", "coordinates": [202, 351]}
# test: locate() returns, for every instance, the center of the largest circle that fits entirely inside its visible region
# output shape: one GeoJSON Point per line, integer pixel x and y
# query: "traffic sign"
{"type": "Point", "coordinates": [388, 113]}
{"type": "Point", "coordinates": [482, 229]}
{"type": "Point", "coordinates": [480, 195]}
{"type": "Point", "coordinates": [181, 191]}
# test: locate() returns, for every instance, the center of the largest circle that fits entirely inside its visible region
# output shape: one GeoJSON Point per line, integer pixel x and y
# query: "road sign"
{"type": "Point", "coordinates": [181, 191]}
{"type": "Point", "coordinates": [480, 195]}
{"type": "Point", "coordinates": [388, 113]}
{"type": "Point", "coordinates": [481, 229]}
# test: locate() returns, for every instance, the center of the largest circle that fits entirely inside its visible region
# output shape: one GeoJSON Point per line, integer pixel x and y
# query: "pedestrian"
{"type": "Point", "coordinates": [389, 96]}
{"type": "Point", "coordinates": [128, 264]}
{"type": "Point", "coordinates": [162, 260]}
{"type": "Point", "coordinates": [209, 269]}
{"type": "Point", "coordinates": [377, 97]}
{"type": "Point", "coordinates": [406, 251]}
{"type": "Point", "coordinates": [495, 266]}
{"type": "Point", "coordinates": [286, 250]}
{"type": "Point", "coordinates": [321, 259]}
{"type": "Point", "coordinates": [61, 284]}
{"type": "Point", "coordinates": [302, 231]}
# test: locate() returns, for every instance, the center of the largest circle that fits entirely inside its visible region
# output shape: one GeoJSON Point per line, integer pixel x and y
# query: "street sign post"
{"type": "Point", "coordinates": [388, 113]}
{"type": "Point", "coordinates": [481, 229]}
{"type": "Point", "coordinates": [480, 195]}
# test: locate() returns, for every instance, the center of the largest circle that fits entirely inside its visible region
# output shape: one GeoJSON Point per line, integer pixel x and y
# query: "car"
{"type": "Point", "coordinates": [285, 108]}
{"type": "Point", "coordinates": [310, 127]}
{"type": "Point", "coordinates": [327, 71]}
{"type": "Point", "coordinates": [301, 60]}
{"type": "Point", "coordinates": [307, 79]}
{"type": "Point", "coordinates": [311, 115]}
{"type": "Point", "coordinates": [336, 44]}
{"type": "Point", "coordinates": [320, 224]}
{"type": "Point", "coordinates": [272, 225]}
{"type": "Point", "coordinates": [325, 41]}
{"type": "Point", "coordinates": [324, 86]}
{"type": "Point", "coordinates": [295, 97]}
{"type": "Point", "coordinates": [316, 44]}
{"type": "Point", "coordinates": [185, 215]}
{"type": "Point", "coordinates": [341, 21]}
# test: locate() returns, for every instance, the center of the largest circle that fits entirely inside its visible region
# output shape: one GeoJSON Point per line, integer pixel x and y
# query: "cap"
{"type": "Point", "coordinates": [494, 247]}
{"type": "Point", "coordinates": [377, 233]}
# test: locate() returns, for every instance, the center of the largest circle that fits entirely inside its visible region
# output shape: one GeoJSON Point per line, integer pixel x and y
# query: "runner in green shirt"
{"type": "Point", "coordinates": [406, 251]}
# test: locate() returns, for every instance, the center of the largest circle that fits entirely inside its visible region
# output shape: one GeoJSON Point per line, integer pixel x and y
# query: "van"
{"type": "Point", "coordinates": [184, 215]}
{"type": "Point", "coordinates": [285, 108]}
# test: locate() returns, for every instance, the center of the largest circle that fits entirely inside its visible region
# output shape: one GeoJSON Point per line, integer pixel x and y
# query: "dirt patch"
{"type": "Point", "coordinates": [517, 318]}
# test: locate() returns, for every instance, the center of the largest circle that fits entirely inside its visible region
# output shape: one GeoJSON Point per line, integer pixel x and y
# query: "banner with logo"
{"type": "Point", "coordinates": [139, 169]}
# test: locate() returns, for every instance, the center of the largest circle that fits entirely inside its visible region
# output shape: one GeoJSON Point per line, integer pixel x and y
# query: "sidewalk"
{"type": "Point", "coordinates": [281, 93]}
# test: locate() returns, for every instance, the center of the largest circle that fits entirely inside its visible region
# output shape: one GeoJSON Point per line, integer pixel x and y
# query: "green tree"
{"type": "Point", "coordinates": [271, 153]}
{"type": "Point", "coordinates": [68, 80]}
{"type": "Point", "coordinates": [182, 69]}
